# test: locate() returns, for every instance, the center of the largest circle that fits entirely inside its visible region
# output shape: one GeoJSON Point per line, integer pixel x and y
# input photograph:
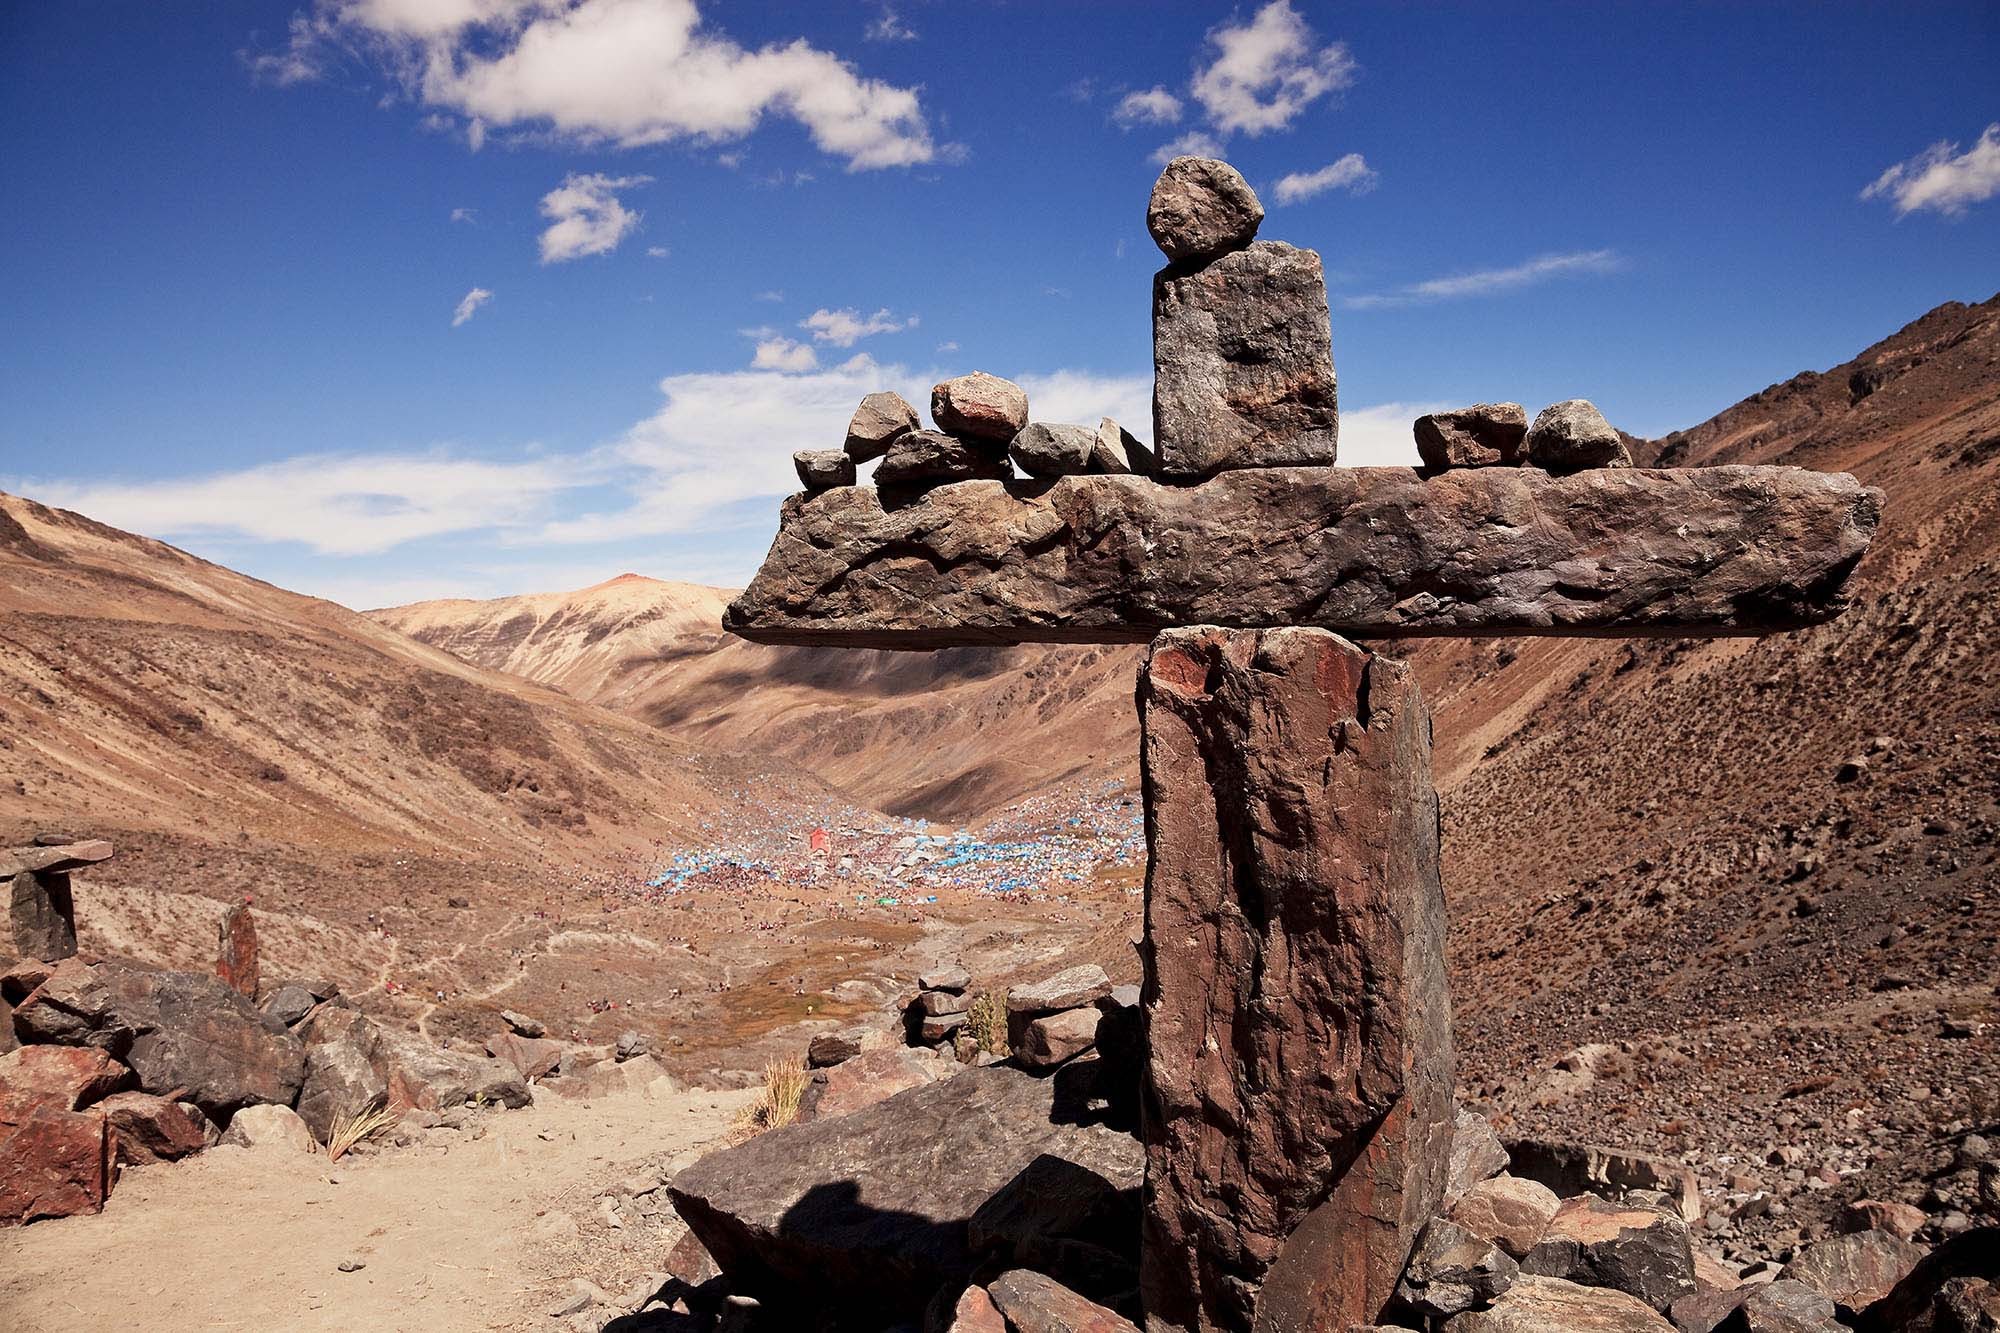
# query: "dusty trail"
{"type": "Point", "coordinates": [455, 1232]}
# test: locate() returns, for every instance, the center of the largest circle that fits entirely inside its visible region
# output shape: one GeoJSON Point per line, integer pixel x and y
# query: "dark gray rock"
{"type": "Point", "coordinates": [876, 423]}
{"type": "Point", "coordinates": [1277, 1201]}
{"type": "Point", "coordinates": [41, 915]}
{"type": "Point", "coordinates": [1070, 988]}
{"type": "Point", "coordinates": [288, 1003]}
{"type": "Point", "coordinates": [1945, 1292]}
{"type": "Point", "coordinates": [1453, 1271]}
{"type": "Point", "coordinates": [1243, 364]}
{"type": "Point", "coordinates": [1643, 1251]}
{"type": "Point", "coordinates": [980, 406]}
{"type": "Point", "coordinates": [938, 1003]}
{"type": "Point", "coordinates": [1783, 1306]}
{"type": "Point", "coordinates": [1368, 552]}
{"type": "Point", "coordinates": [1571, 435]}
{"type": "Point", "coordinates": [872, 1210]}
{"type": "Point", "coordinates": [343, 1077]}
{"type": "Point", "coordinates": [823, 469]}
{"type": "Point", "coordinates": [176, 1030]}
{"type": "Point", "coordinates": [926, 458]}
{"type": "Point", "coordinates": [524, 1025]}
{"type": "Point", "coordinates": [828, 1049]}
{"type": "Point", "coordinates": [1053, 449]}
{"type": "Point", "coordinates": [1053, 1038]}
{"type": "Point", "coordinates": [1610, 1173]}
{"type": "Point", "coordinates": [1200, 208]}
{"type": "Point", "coordinates": [1483, 435]}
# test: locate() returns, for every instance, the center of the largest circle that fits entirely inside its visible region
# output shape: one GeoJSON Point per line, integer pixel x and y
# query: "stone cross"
{"type": "Point", "coordinates": [1297, 1100]}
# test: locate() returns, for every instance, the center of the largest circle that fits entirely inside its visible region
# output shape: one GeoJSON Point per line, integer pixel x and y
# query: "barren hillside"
{"type": "Point", "coordinates": [950, 735]}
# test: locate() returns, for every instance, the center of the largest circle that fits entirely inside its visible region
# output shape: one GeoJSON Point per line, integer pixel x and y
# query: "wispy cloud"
{"type": "Point", "coordinates": [607, 71]}
{"type": "Point", "coordinates": [1195, 143]}
{"type": "Point", "coordinates": [1154, 106]}
{"type": "Point", "coordinates": [465, 215]}
{"type": "Point", "coordinates": [1943, 179]}
{"type": "Point", "coordinates": [1350, 173]}
{"type": "Point", "coordinates": [844, 328]}
{"type": "Point", "coordinates": [586, 218]}
{"type": "Point", "coordinates": [337, 505]}
{"type": "Point", "coordinates": [469, 304]}
{"type": "Point", "coordinates": [889, 27]}
{"type": "Point", "coordinates": [1262, 74]}
{"type": "Point", "coordinates": [1485, 282]}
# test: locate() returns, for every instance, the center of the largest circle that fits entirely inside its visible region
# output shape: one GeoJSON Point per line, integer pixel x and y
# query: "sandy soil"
{"type": "Point", "coordinates": [479, 1228]}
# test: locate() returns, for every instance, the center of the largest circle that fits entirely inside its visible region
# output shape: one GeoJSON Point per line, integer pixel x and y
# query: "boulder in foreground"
{"type": "Point", "coordinates": [1367, 552]}
{"type": "Point", "coordinates": [182, 1033]}
{"type": "Point", "coordinates": [875, 1210]}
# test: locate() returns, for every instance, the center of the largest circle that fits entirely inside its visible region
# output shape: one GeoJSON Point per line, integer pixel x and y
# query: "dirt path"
{"type": "Point", "coordinates": [479, 1228]}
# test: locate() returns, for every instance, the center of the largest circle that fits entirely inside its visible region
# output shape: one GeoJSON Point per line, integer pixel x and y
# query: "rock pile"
{"type": "Point", "coordinates": [1056, 1020]}
{"type": "Point", "coordinates": [982, 434]}
{"type": "Point", "coordinates": [122, 1065]}
{"type": "Point", "coordinates": [41, 912]}
{"type": "Point", "coordinates": [1566, 437]}
{"type": "Point", "coordinates": [941, 1008]}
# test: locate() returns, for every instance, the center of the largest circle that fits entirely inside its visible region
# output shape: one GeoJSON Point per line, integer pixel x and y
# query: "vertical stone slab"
{"type": "Point", "coordinates": [1297, 1107]}
{"type": "Point", "coordinates": [1243, 363]}
{"type": "Point", "coordinates": [41, 915]}
{"type": "Point", "coordinates": [236, 950]}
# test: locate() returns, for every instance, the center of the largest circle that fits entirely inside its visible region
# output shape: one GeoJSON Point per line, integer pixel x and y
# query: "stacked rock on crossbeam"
{"type": "Point", "coordinates": [982, 433]}
{"type": "Point", "coordinates": [1566, 437]}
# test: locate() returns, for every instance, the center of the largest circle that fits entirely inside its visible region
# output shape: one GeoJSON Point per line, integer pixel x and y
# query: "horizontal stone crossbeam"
{"type": "Point", "coordinates": [1364, 552]}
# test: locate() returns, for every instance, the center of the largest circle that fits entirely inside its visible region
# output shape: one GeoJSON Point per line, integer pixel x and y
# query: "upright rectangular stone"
{"type": "Point", "coordinates": [1297, 1097]}
{"type": "Point", "coordinates": [1243, 363]}
{"type": "Point", "coordinates": [41, 915]}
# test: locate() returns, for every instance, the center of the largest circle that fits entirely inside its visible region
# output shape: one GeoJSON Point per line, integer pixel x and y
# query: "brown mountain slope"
{"type": "Point", "coordinates": [950, 735]}
{"type": "Point", "coordinates": [1771, 864]}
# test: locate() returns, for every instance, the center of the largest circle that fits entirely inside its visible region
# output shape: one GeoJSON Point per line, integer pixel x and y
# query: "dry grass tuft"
{"type": "Point", "coordinates": [986, 1022]}
{"type": "Point", "coordinates": [784, 1087]}
{"type": "Point", "coordinates": [355, 1126]}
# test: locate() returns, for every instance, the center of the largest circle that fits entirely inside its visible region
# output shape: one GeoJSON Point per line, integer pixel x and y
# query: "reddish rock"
{"type": "Point", "coordinates": [866, 1079]}
{"type": "Point", "coordinates": [1549, 1305]}
{"type": "Point", "coordinates": [1297, 1102]}
{"type": "Point", "coordinates": [974, 1312]}
{"type": "Point", "coordinates": [1856, 1270]}
{"type": "Point", "coordinates": [876, 423]}
{"type": "Point", "coordinates": [1783, 1306]}
{"type": "Point", "coordinates": [1033, 1303]}
{"type": "Point", "coordinates": [1054, 1038]}
{"type": "Point", "coordinates": [1483, 435]}
{"type": "Point", "coordinates": [54, 1162]}
{"type": "Point", "coordinates": [20, 980]}
{"type": "Point", "coordinates": [533, 1057]}
{"type": "Point", "coordinates": [831, 1048]}
{"type": "Point", "coordinates": [1071, 988]}
{"type": "Point", "coordinates": [145, 1128]}
{"type": "Point", "coordinates": [1901, 1220]}
{"type": "Point", "coordinates": [1610, 1173]}
{"type": "Point", "coordinates": [980, 406]}
{"type": "Point", "coordinates": [1511, 1212]}
{"type": "Point", "coordinates": [236, 951]}
{"type": "Point", "coordinates": [72, 1077]}
{"type": "Point", "coordinates": [1202, 207]}
{"type": "Point", "coordinates": [1942, 1294]}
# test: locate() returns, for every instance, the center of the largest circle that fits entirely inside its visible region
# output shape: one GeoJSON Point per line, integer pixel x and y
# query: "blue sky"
{"type": "Point", "coordinates": [389, 299]}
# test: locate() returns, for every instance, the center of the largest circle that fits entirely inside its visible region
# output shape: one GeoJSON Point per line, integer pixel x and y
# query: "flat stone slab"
{"type": "Point", "coordinates": [1364, 552]}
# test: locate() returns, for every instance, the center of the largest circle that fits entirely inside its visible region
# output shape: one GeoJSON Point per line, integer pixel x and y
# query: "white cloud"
{"type": "Point", "coordinates": [1155, 106]}
{"type": "Point", "coordinates": [1194, 143]}
{"type": "Point", "coordinates": [1383, 435]}
{"type": "Point", "coordinates": [586, 217]}
{"type": "Point", "coordinates": [469, 304]}
{"type": "Point", "coordinates": [1484, 282]}
{"type": "Point", "coordinates": [771, 295]}
{"type": "Point", "coordinates": [337, 505]}
{"type": "Point", "coordinates": [465, 215]}
{"type": "Point", "coordinates": [947, 346]}
{"type": "Point", "coordinates": [1084, 396]}
{"type": "Point", "coordinates": [1349, 173]}
{"type": "Point", "coordinates": [1265, 72]}
{"type": "Point", "coordinates": [1943, 179]}
{"type": "Point", "coordinates": [657, 252]}
{"type": "Point", "coordinates": [628, 72]}
{"type": "Point", "coordinates": [889, 28]}
{"type": "Point", "coordinates": [844, 328]}
{"type": "Point", "coordinates": [784, 354]}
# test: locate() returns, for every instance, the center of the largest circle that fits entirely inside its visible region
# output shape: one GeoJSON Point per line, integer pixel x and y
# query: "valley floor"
{"type": "Point", "coordinates": [482, 1227]}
